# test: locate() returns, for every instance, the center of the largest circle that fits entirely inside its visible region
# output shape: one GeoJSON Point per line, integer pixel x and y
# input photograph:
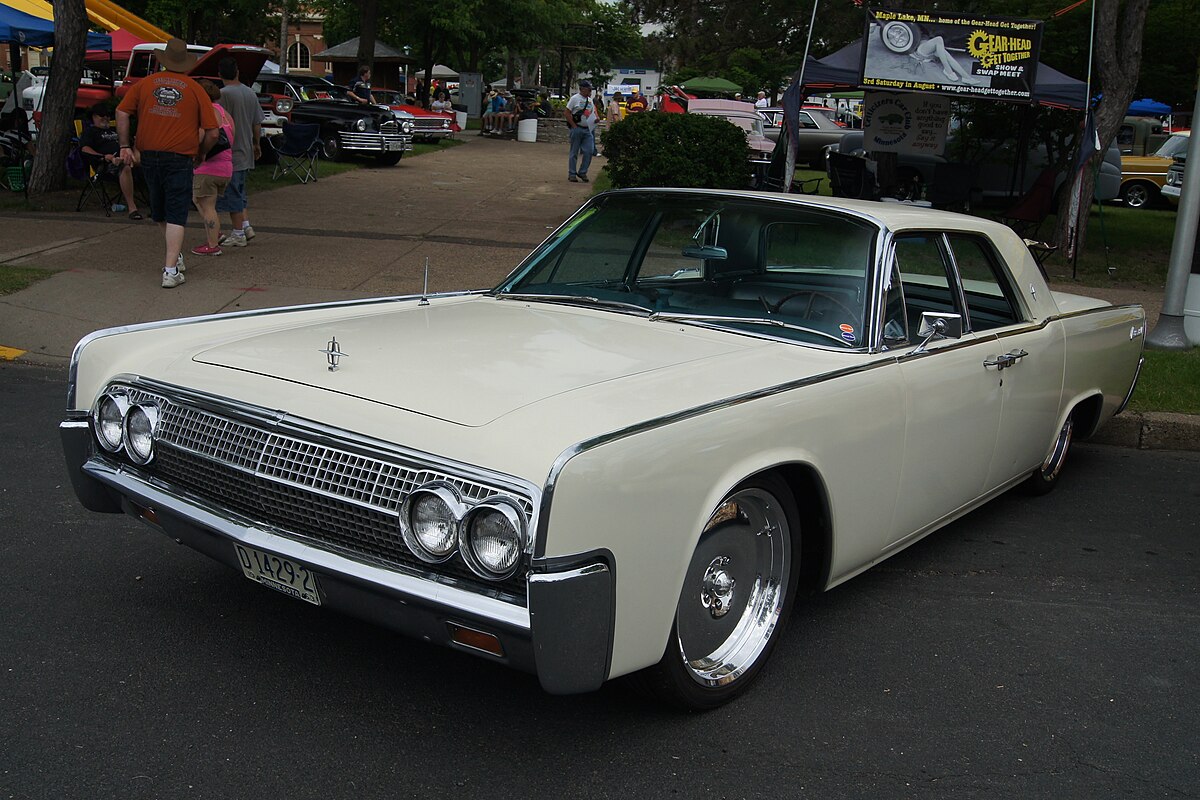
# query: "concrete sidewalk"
{"type": "Point", "coordinates": [473, 211]}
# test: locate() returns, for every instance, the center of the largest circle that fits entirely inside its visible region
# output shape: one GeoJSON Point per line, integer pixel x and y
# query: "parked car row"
{"type": "Point", "coordinates": [1144, 177]}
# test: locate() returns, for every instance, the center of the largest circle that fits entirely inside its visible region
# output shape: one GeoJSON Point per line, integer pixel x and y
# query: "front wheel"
{"type": "Point", "coordinates": [1045, 478]}
{"type": "Point", "coordinates": [736, 597]}
{"type": "Point", "coordinates": [388, 159]}
{"type": "Point", "coordinates": [331, 148]}
{"type": "Point", "coordinates": [1136, 195]}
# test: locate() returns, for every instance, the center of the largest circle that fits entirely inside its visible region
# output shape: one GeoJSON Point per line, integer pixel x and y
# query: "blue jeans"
{"type": "Point", "coordinates": [583, 142]}
{"type": "Point", "coordinates": [169, 184]}
{"type": "Point", "coordinates": [234, 199]}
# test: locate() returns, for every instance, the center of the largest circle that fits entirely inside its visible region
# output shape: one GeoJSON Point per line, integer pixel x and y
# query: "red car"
{"type": "Point", "coordinates": [427, 125]}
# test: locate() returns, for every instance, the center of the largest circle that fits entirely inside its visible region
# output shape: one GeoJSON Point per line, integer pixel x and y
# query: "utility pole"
{"type": "Point", "coordinates": [1169, 334]}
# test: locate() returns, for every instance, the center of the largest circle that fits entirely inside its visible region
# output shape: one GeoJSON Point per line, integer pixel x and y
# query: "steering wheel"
{"type": "Point", "coordinates": [813, 295]}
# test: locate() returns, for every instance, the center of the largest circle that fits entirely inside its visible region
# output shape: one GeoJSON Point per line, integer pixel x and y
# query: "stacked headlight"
{"type": "Point", "coordinates": [492, 538]}
{"type": "Point", "coordinates": [108, 420]}
{"type": "Point", "coordinates": [429, 520]}
{"type": "Point", "coordinates": [141, 421]}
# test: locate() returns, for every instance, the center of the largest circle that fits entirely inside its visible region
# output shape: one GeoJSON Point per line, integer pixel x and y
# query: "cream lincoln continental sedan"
{"type": "Point", "coordinates": [681, 412]}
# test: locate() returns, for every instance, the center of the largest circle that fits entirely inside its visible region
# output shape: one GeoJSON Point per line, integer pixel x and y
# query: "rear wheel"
{"type": "Point", "coordinates": [1045, 477]}
{"type": "Point", "coordinates": [736, 597]}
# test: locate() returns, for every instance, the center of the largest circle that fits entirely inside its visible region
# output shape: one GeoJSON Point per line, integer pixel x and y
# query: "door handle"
{"type": "Point", "coordinates": [1007, 360]}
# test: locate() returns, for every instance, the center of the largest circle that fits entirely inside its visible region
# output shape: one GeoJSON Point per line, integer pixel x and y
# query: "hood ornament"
{"type": "Point", "coordinates": [333, 353]}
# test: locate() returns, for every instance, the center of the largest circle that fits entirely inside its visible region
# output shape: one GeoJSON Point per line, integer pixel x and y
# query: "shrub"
{"type": "Point", "coordinates": [688, 150]}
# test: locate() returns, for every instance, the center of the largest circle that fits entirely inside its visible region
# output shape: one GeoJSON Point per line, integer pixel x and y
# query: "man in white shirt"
{"type": "Point", "coordinates": [581, 117]}
{"type": "Point", "coordinates": [761, 102]}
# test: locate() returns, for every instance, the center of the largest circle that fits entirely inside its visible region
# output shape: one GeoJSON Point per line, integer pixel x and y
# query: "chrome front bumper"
{"type": "Point", "coordinates": [564, 636]}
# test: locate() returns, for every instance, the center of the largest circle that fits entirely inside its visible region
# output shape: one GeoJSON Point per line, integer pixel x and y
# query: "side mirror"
{"type": "Point", "coordinates": [938, 326]}
{"type": "Point", "coordinates": [705, 251]}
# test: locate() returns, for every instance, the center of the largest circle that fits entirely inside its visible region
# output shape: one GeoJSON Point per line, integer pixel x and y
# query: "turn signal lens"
{"type": "Point", "coordinates": [108, 420]}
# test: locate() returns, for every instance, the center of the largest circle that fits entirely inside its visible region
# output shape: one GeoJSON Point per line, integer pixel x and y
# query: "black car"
{"type": "Point", "coordinates": [349, 128]}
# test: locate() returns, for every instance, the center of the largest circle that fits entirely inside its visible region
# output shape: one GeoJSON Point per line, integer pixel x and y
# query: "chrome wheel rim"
{"type": "Point", "coordinates": [735, 588]}
{"type": "Point", "coordinates": [1058, 454]}
{"type": "Point", "coordinates": [1136, 196]}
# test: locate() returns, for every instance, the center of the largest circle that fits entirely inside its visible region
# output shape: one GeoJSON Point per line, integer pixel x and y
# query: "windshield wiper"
{"type": "Point", "coordinates": [574, 300]}
{"type": "Point", "coordinates": [659, 316]}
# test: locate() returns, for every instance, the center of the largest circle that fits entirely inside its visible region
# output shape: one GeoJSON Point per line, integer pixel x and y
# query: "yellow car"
{"type": "Point", "coordinates": [1142, 177]}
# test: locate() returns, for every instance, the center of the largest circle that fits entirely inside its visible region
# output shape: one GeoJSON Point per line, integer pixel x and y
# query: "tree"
{"type": "Point", "coordinates": [1118, 54]}
{"type": "Point", "coordinates": [368, 25]}
{"type": "Point", "coordinates": [58, 111]}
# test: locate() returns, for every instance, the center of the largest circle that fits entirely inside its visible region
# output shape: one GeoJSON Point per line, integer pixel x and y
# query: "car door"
{"type": "Point", "coordinates": [1027, 358]}
{"type": "Point", "coordinates": [952, 403]}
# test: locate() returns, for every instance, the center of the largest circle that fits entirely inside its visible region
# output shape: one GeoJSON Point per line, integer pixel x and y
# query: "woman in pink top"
{"type": "Point", "coordinates": [212, 176]}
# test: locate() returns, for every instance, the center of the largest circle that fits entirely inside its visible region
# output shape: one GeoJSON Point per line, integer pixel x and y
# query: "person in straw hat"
{"type": "Point", "coordinates": [176, 128]}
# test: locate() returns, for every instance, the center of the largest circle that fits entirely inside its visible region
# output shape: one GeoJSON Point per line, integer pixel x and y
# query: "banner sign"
{"type": "Point", "coordinates": [905, 123]}
{"type": "Point", "coordinates": [947, 53]}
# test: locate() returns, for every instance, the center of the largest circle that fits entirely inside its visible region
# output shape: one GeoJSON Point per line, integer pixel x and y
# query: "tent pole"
{"type": "Point", "coordinates": [789, 169]}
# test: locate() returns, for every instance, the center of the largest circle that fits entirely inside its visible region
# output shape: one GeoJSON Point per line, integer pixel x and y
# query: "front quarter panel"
{"type": "Point", "coordinates": [646, 494]}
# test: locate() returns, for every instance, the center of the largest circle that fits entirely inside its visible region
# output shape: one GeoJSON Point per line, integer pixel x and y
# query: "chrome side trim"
{"type": "Point", "coordinates": [237, 529]}
{"type": "Point", "coordinates": [1137, 373]}
{"type": "Point", "coordinates": [560, 463]}
{"type": "Point", "coordinates": [73, 368]}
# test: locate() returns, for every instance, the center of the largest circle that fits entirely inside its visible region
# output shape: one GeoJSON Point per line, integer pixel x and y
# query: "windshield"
{"type": "Point", "coordinates": [1175, 146]}
{"type": "Point", "coordinates": [785, 269]}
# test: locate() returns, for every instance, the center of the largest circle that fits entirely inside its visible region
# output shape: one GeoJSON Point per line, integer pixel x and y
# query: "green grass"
{"type": "Point", "coordinates": [14, 279]}
{"type": "Point", "coordinates": [1170, 381]}
{"type": "Point", "coordinates": [1134, 243]}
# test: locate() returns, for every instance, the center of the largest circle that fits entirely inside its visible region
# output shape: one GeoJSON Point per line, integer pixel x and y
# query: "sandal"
{"type": "Point", "coordinates": [136, 216]}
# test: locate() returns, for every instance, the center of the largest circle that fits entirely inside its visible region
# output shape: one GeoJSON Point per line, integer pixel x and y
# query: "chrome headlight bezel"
{"type": "Point", "coordinates": [360, 124]}
{"type": "Point", "coordinates": [406, 126]}
{"type": "Point", "coordinates": [449, 496]}
{"type": "Point", "coordinates": [133, 417]}
{"type": "Point", "coordinates": [110, 399]}
{"type": "Point", "coordinates": [510, 510]}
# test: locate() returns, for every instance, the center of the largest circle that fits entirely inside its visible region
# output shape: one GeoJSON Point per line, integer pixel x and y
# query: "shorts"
{"type": "Point", "coordinates": [169, 185]}
{"type": "Point", "coordinates": [233, 201]}
{"type": "Point", "coordinates": [208, 185]}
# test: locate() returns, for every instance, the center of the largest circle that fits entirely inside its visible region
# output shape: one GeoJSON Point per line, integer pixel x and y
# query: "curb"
{"type": "Point", "coordinates": [1151, 430]}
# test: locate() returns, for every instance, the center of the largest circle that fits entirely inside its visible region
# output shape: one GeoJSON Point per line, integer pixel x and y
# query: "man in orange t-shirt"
{"type": "Point", "coordinates": [176, 128]}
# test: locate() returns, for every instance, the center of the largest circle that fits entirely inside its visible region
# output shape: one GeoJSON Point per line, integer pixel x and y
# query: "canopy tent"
{"type": "Point", "coordinates": [711, 85]}
{"type": "Point", "coordinates": [439, 71]}
{"type": "Point", "coordinates": [123, 43]}
{"type": "Point", "coordinates": [1147, 108]}
{"type": "Point", "coordinates": [17, 27]}
{"type": "Point", "coordinates": [843, 70]}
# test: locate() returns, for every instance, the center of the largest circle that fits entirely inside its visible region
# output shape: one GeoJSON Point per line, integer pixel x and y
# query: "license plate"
{"type": "Point", "coordinates": [393, 145]}
{"type": "Point", "coordinates": [279, 573]}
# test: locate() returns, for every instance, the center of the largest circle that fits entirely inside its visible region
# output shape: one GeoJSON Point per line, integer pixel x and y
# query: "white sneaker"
{"type": "Point", "coordinates": [248, 232]}
{"type": "Point", "coordinates": [170, 281]}
{"type": "Point", "coordinates": [233, 239]}
{"type": "Point", "coordinates": [179, 265]}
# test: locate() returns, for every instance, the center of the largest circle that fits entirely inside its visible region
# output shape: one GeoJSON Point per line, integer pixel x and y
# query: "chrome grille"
{"type": "Point", "coordinates": [432, 123]}
{"type": "Point", "coordinates": [339, 500]}
{"type": "Point", "coordinates": [389, 126]}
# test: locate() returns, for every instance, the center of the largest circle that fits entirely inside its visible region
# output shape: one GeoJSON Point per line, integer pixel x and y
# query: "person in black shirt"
{"type": "Point", "coordinates": [360, 90]}
{"type": "Point", "coordinates": [100, 148]}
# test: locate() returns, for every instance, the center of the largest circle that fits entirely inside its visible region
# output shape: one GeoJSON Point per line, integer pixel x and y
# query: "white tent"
{"type": "Point", "coordinates": [439, 71]}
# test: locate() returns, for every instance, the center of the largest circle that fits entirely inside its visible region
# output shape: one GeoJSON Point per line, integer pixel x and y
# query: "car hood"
{"type": "Point", "coordinates": [472, 362]}
{"type": "Point", "coordinates": [1145, 164]}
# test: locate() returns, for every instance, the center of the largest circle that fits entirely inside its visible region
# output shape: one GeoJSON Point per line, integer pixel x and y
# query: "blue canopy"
{"type": "Point", "coordinates": [17, 27]}
{"type": "Point", "coordinates": [1148, 108]}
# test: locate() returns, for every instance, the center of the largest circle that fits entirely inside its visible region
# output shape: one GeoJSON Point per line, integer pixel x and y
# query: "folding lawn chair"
{"type": "Point", "coordinates": [96, 185]}
{"type": "Point", "coordinates": [297, 150]}
{"type": "Point", "coordinates": [851, 176]}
